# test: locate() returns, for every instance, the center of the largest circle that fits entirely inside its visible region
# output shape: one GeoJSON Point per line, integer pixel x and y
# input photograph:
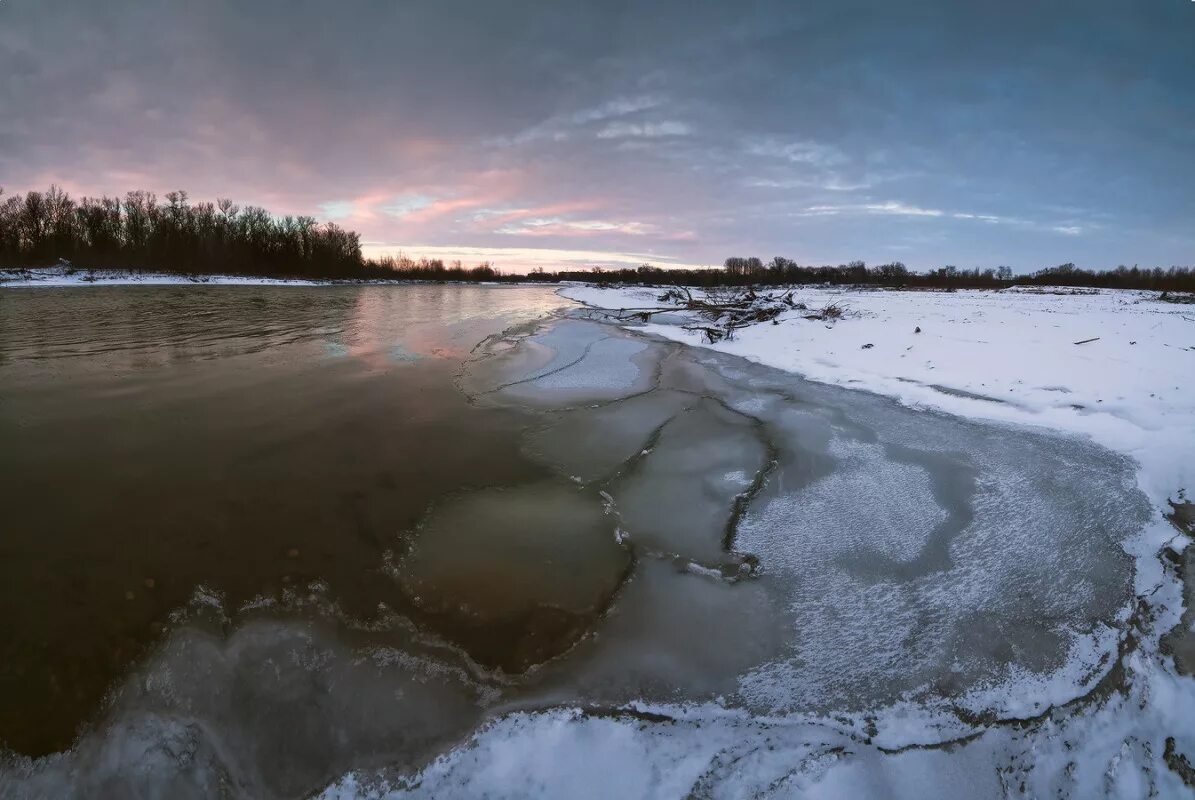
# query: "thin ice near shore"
{"type": "Point", "coordinates": [1115, 366]}
{"type": "Point", "coordinates": [1008, 357]}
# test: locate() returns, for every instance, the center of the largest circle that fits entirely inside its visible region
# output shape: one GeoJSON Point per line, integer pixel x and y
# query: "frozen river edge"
{"type": "Point", "coordinates": [1130, 743]}
{"type": "Point", "coordinates": [1125, 737]}
{"type": "Point", "coordinates": [1117, 724]}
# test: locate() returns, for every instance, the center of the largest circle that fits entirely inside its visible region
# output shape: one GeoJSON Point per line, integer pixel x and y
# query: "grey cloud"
{"type": "Point", "coordinates": [560, 127]}
{"type": "Point", "coordinates": [647, 130]}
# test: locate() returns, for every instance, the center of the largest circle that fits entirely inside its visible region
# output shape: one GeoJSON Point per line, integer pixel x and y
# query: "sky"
{"type": "Point", "coordinates": [610, 132]}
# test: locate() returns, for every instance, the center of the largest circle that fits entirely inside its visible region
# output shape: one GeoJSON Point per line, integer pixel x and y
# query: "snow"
{"type": "Point", "coordinates": [59, 277]}
{"type": "Point", "coordinates": [526, 755]}
{"type": "Point", "coordinates": [1008, 356]}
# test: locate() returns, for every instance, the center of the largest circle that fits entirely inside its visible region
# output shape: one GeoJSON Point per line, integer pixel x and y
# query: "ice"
{"type": "Point", "coordinates": [901, 554]}
{"type": "Point", "coordinates": [594, 443]}
{"type": "Point", "coordinates": [923, 553]}
{"type": "Point", "coordinates": [1133, 390]}
{"type": "Point", "coordinates": [515, 575]}
{"type": "Point", "coordinates": [277, 709]}
{"type": "Point", "coordinates": [679, 498]}
{"type": "Point", "coordinates": [959, 352]}
{"type": "Point", "coordinates": [672, 635]}
{"type": "Point", "coordinates": [571, 363]}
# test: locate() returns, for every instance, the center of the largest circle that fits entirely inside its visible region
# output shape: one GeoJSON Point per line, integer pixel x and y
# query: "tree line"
{"type": "Point", "coordinates": [139, 232]}
{"type": "Point", "coordinates": [780, 271]}
{"type": "Point", "coordinates": [142, 233]}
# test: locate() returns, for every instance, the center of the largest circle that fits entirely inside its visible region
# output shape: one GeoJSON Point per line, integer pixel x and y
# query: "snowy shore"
{"type": "Point", "coordinates": [56, 277]}
{"type": "Point", "coordinates": [1117, 367]}
{"type": "Point", "coordinates": [59, 277]}
{"type": "Point", "coordinates": [1009, 357]}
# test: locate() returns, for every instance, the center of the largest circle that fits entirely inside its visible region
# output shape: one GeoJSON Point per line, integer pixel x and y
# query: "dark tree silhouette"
{"type": "Point", "coordinates": [139, 233]}
{"type": "Point", "coordinates": [783, 271]}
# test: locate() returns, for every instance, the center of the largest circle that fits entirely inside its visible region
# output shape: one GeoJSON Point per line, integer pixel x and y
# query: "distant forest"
{"type": "Point", "coordinates": [142, 233]}
{"type": "Point", "coordinates": [782, 271]}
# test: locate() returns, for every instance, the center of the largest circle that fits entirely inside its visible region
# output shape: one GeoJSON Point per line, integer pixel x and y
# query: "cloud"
{"type": "Point", "coordinates": [902, 209]}
{"type": "Point", "coordinates": [984, 217]}
{"type": "Point", "coordinates": [830, 183]}
{"type": "Point", "coordinates": [556, 226]}
{"type": "Point", "coordinates": [618, 107]}
{"type": "Point", "coordinates": [336, 209]}
{"type": "Point", "coordinates": [492, 218]}
{"type": "Point", "coordinates": [798, 152]}
{"type": "Point", "coordinates": [405, 205]}
{"type": "Point", "coordinates": [889, 209]}
{"type": "Point", "coordinates": [893, 208]}
{"type": "Point", "coordinates": [560, 127]}
{"type": "Point", "coordinates": [647, 130]}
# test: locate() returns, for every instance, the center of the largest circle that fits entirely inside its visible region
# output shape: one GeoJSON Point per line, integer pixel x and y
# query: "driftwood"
{"type": "Point", "coordinates": [727, 310]}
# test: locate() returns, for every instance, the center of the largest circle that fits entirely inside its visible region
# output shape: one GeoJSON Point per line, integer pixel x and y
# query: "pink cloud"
{"type": "Point", "coordinates": [439, 208]}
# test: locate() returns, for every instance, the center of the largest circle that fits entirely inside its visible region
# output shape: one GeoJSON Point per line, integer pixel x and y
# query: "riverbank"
{"type": "Point", "coordinates": [1116, 367]}
{"type": "Point", "coordinates": [60, 277]}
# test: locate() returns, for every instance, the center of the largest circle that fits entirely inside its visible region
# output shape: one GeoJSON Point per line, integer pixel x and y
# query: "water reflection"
{"type": "Point", "coordinates": [250, 439]}
{"type": "Point", "coordinates": [140, 327]}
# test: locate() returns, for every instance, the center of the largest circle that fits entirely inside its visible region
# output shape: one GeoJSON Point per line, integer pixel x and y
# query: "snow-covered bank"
{"type": "Point", "coordinates": [58, 277]}
{"type": "Point", "coordinates": [1009, 356]}
{"type": "Point", "coordinates": [1115, 366]}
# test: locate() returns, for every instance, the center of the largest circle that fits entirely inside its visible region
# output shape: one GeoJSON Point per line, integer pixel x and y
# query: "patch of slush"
{"type": "Point", "coordinates": [608, 365]}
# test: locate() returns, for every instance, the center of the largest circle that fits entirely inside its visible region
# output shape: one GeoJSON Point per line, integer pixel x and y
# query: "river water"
{"type": "Point", "coordinates": [257, 539]}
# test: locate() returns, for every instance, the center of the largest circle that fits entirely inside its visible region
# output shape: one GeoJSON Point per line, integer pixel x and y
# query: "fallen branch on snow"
{"type": "Point", "coordinates": [729, 310]}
